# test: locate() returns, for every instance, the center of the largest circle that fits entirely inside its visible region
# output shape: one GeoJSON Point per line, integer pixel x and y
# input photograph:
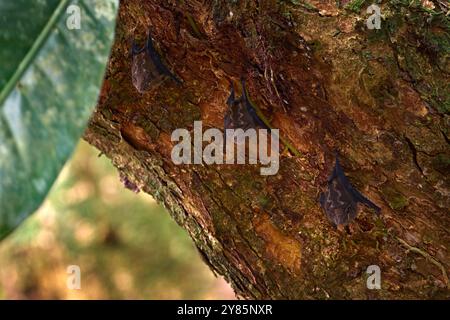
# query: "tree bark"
{"type": "Point", "coordinates": [379, 97]}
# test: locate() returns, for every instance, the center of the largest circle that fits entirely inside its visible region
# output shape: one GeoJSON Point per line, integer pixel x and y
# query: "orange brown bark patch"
{"type": "Point", "coordinates": [280, 247]}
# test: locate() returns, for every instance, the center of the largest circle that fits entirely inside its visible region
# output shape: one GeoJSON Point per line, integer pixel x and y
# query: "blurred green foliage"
{"type": "Point", "coordinates": [50, 80]}
{"type": "Point", "coordinates": [125, 244]}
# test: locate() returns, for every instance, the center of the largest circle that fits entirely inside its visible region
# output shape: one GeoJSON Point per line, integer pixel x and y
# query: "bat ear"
{"type": "Point", "coordinates": [232, 97]}
{"type": "Point", "coordinates": [149, 38]}
{"type": "Point", "coordinates": [322, 199]}
{"type": "Point", "coordinates": [336, 156]}
{"type": "Point", "coordinates": [244, 91]}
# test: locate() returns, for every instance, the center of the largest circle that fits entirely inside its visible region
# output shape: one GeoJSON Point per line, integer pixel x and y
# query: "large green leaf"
{"type": "Point", "coordinates": [50, 79]}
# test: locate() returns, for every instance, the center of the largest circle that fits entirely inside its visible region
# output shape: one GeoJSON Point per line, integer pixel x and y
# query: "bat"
{"type": "Point", "coordinates": [147, 69]}
{"type": "Point", "coordinates": [240, 113]}
{"type": "Point", "coordinates": [340, 199]}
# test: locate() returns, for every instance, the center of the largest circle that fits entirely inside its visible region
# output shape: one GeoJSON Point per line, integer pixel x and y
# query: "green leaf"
{"type": "Point", "coordinates": [50, 77]}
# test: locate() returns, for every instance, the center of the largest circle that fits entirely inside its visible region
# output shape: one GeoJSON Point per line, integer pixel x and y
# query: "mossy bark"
{"type": "Point", "coordinates": [380, 97]}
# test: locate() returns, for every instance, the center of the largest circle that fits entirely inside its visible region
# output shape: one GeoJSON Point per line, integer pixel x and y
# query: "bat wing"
{"type": "Point", "coordinates": [231, 116]}
{"type": "Point", "coordinates": [338, 204]}
{"type": "Point", "coordinates": [356, 195]}
{"type": "Point", "coordinates": [228, 121]}
{"type": "Point", "coordinates": [144, 72]}
{"type": "Point", "coordinates": [362, 199]}
{"type": "Point", "coordinates": [231, 98]}
{"type": "Point", "coordinates": [340, 199]}
{"type": "Point", "coordinates": [158, 62]}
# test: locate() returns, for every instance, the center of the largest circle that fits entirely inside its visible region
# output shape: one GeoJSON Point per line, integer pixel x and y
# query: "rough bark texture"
{"type": "Point", "coordinates": [380, 97]}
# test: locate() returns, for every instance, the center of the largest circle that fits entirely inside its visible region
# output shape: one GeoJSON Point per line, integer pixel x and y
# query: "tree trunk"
{"type": "Point", "coordinates": [379, 97]}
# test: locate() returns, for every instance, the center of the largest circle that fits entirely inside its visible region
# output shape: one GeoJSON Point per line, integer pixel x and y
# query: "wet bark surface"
{"type": "Point", "coordinates": [316, 72]}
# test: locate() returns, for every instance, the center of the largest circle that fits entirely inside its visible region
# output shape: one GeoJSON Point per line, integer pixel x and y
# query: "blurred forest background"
{"type": "Point", "coordinates": [125, 244]}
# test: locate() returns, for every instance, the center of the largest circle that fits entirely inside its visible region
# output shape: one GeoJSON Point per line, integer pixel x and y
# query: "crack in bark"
{"type": "Point", "coordinates": [429, 257]}
{"type": "Point", "coordinates": [445, 137]}
{"type": "Point", "coordinates": [414, 154]}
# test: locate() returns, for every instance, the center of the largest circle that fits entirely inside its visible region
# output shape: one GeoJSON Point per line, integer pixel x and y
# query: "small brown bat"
{"type": "Point", "coordinates": [240, 113]}
{"type": "Point", "coordinates": [147, 68]}
{"type": "Point", "coordinates": [340, 200]}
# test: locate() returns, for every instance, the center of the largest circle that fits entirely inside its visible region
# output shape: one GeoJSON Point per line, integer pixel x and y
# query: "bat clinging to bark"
{"type": "Point", "coordinates": [240, 113]}
{"type": "Point", "coordinates": [147, 68]}
{"type": "Point", "coordinates": [340, 200]}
